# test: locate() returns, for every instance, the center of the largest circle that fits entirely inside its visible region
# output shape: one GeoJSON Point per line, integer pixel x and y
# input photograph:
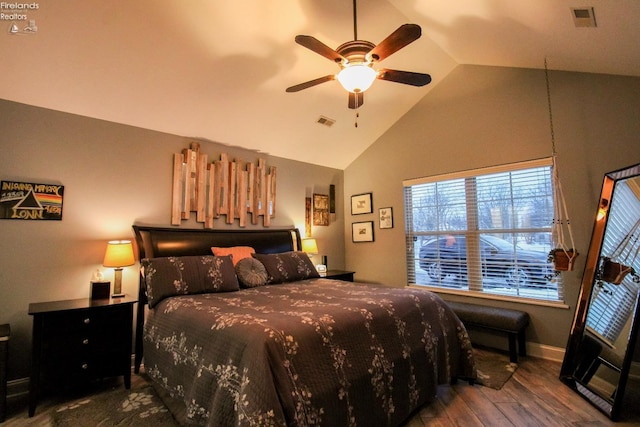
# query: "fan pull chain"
{"type": "Point", "coordinates": [357, 115]}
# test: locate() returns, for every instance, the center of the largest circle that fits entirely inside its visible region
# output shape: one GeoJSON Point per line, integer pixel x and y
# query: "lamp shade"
{"type": "Point", "coordinates": [357, 77]}
{"type": "Point", "coordinates": [310, 246]}
{"type": "Point", "coordinates": [119, 254]}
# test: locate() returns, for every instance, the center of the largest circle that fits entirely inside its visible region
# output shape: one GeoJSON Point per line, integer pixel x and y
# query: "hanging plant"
{"type": "Point", "coordinates": [615, 268]}
{"type": "Point", "coordinates": [615, 272]}
{"type": "Point", "coordinates": [563, 253]}
{"type": "Point", "coordinates": [562, 259]}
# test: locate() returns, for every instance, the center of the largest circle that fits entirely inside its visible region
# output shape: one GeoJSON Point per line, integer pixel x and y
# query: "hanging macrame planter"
{"type": "Point", "coordinates": [614, 272]}
{"type": "Point", "coordinates": [563, 253]}
{"type": "Point", "coordinates": [615, 268]}
{"type": "Point", "coordinates": [562, 258]}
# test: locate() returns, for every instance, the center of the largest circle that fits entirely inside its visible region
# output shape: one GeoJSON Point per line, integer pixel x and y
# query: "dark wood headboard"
{"type": "Point", "coordinates": [154, 242]}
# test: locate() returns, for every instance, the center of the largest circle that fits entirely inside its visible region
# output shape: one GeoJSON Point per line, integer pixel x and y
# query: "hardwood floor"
{"type": "Point", "coordinates": [534, 396]}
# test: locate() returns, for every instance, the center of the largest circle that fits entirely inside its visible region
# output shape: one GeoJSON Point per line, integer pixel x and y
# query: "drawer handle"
{"type": "Point", "coordinates": [85, 341]}
{"type": "Point", "coordinates": [87, 321]}
{"type": "Point", "coordinates": [85, 366]}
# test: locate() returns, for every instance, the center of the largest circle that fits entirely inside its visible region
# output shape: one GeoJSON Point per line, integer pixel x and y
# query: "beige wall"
{"type": "Point", "coordinates": [482, 116]}
{"type": "Point", "coordinates": [114, 176]}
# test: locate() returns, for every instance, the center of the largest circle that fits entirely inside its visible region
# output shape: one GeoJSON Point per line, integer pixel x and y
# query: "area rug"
{"type": "Point", "coordinates": [139, 406]}
{"type": "Point", "coordinates": [494, 368]}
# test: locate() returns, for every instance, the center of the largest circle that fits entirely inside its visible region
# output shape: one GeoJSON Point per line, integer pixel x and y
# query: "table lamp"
{"type": "Point", "coordinates": [310, 246]}
{"type": "Point", "coordinates": [119, 254]}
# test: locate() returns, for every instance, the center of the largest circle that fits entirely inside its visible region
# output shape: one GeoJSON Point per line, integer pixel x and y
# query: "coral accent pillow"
{"type": "Point", "coordinates": [237, 252]}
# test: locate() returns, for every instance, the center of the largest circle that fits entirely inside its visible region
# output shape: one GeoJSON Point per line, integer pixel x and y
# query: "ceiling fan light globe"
{"type": "Point", "coordinates": [357, 78]}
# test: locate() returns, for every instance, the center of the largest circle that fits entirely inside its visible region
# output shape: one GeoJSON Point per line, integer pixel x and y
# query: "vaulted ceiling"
{"type": "Point", "coordinates": [218, 69]}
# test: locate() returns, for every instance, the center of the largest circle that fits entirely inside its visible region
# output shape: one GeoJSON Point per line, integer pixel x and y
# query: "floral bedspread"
{"type": "Point", "coordinates": [314, 352]}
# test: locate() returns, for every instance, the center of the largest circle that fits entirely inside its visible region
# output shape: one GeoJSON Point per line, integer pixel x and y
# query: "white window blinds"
{"type": "Point", "coordinates": [486, 230]}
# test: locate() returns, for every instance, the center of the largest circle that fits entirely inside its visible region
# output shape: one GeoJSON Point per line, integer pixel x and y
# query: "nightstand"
{"type": "Point", "coordinates": [339, 275]}
{"type": "Point", "coordinates": [76, 341]}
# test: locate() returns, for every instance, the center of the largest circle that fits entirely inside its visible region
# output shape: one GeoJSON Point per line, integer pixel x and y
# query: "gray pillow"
{"type": "Point", "coordinates": [251, 273]}
{"type": "Point", "coordinates": [287, 266]}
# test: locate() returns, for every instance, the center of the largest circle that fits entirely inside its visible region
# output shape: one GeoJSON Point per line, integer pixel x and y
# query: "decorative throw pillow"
{"type": "Point", "coordinates": [169, 276]}
{"type": "Point", "coordinates": [238, 252]}
{"type": "Point", "coordinates": [251, 273]}
{"type": "Point", "coordinates": [287, 266]}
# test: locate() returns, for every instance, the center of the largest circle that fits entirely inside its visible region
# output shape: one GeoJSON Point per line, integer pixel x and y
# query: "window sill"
{"type": "Point", "coordinates": [481, 295]}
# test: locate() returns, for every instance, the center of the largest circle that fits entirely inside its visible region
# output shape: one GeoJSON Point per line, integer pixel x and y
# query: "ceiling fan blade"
{"type": "Point", "coordinates": [356, 100]}
{"type": "Point", "coordinates": [401, 37]}
{"type": "Point", "coordinates": [320, 48]}
{"type": "Point", "coordinates": [311, 83]}
{"type": "Point", "coordinates": [404, 77]}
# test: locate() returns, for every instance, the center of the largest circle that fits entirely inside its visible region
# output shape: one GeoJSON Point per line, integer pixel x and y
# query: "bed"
{"type": "Point", "coordinates": [290, 349]}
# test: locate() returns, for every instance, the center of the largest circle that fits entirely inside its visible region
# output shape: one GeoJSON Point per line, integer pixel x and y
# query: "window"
{"type": "Point", "coordinates": [486, 230]}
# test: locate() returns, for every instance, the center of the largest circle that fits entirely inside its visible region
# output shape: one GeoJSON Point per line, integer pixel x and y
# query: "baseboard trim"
{"type": "Point", "coordinates": [543, 351]}
{"type": "Point", "coordinates": [556, 354]}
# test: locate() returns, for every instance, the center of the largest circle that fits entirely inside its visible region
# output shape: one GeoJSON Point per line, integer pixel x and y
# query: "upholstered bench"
{"type": "Point", "coordinates": [511, 322]}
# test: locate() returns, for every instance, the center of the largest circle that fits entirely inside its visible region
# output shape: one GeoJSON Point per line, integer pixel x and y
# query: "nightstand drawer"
{"type": "Point", "coordinates": [81, 320]}
{"type": "Point", "coordinates": [81, 367]}
{"type": "Point", "coordinates": [86, 345]}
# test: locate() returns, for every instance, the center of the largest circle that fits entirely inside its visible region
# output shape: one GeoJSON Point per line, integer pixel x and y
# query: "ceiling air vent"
{"type": "Point", "coordinates": [583, 16]}
{"type": "Point", "coordinates": [326, 121]}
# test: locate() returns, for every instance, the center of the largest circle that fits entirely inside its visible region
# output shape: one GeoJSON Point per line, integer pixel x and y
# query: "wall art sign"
{"type": "Point", "coordinates": [361, 204]}
{"type": "Point", "coordinates": [332, 198]}
{"type": "Point", "coordinates": [320, 209]}
{"type": "Point", "coordinates": [30, 201]}
{"type": "Point", "coordinates": [233, 189]}
{"type": "Point", "coordinates": [307, 216]}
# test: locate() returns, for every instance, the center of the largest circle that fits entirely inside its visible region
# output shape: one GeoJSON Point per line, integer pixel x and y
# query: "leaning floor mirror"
{"type": "Point", "coordinates": [602, 356]}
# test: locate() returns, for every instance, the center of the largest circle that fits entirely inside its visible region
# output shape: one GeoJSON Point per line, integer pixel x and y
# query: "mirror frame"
{"type": "Point", "coordinates": [610, 408]}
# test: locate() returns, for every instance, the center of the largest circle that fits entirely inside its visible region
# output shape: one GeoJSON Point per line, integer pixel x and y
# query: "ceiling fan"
{"type": "Point", "coordinates": [356, 60]}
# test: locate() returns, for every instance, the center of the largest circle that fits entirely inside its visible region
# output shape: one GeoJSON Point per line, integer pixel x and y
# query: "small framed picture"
{"type": "Point", "coordinates": [386, 217]}
{"type": "Point", "coordinates": [362, 232]}
{"type": "Point", "coordinates": [361, 204]}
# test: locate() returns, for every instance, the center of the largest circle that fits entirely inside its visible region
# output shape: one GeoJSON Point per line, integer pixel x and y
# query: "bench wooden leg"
{"type": "Point", "coordinates": [454, 381]}
{"type": "Point", "coordinates": [513, 352]}
{"type": "Point", "coordinates": [522, 343]}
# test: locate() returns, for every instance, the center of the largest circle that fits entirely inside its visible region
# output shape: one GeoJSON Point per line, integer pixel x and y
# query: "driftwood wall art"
{"type": "Point", "coordinates": [233, 189]}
